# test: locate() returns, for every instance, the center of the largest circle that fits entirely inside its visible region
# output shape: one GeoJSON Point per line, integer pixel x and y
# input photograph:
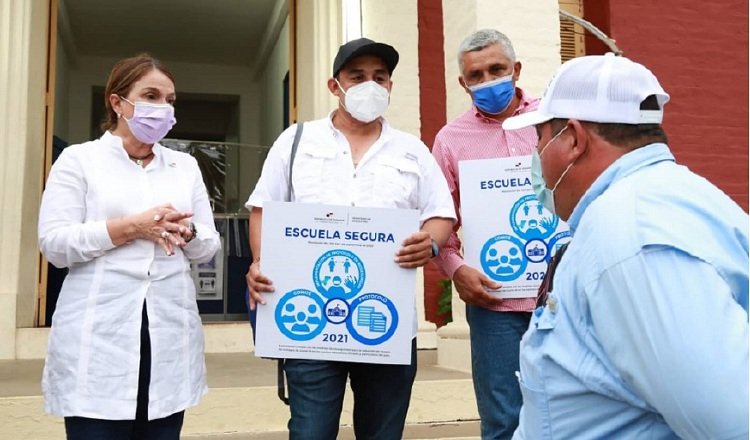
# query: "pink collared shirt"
{"type": "Point", "coordinates": [474, 136]}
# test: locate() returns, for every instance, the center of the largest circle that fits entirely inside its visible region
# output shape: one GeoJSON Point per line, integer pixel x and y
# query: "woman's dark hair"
{"type": "Point", "coordinates": [121, 79]}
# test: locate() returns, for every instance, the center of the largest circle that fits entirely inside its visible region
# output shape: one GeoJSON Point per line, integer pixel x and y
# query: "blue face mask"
{"type": "Point", "coordinates": [493, 97]}
{"type": "Point", "coordinates": [545, 195]}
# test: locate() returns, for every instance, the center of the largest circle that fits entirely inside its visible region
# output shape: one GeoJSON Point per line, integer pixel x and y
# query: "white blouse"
{"type": "Point", "coordinates": [93, 354]}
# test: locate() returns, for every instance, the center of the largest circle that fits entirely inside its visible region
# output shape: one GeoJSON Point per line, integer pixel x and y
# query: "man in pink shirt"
{"type": "Point", "coordinates": [489, 72]}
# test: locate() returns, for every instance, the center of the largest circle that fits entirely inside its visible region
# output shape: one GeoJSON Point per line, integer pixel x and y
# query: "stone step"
{"type": "Point", "coordinates": [242, 402]}
{"type": "Point", "coordinates": [465, 430]}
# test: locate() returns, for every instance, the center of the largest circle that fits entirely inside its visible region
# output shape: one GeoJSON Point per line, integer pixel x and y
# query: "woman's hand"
{"type": "Point", "coordinates": [162, 224]}
{"type": "Point", "coordinates": [168, 227]}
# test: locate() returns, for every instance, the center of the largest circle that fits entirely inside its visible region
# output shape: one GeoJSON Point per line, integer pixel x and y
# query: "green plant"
{"type": "Point", "coordinates": [445, 303]}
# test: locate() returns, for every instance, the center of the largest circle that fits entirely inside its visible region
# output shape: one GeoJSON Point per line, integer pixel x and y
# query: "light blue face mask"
{"type": "Point", "coordinates": [545, 195]}
{"type": "Point", "coordinates": [493, 97]}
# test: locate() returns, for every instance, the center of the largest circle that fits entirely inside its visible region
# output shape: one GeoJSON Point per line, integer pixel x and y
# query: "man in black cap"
{"type": "Point", "coordinates": [353, 157]}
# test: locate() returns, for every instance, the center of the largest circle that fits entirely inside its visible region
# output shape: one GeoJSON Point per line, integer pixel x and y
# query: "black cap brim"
{"type": "Point", "coordinates": [365, 46]}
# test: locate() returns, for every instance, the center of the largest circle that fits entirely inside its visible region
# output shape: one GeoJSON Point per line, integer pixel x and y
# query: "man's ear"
{"type": "Point", "coordinates": [581, 138]}
{"type": "Point", "coordinates": [516, 71]}
{"type": "Point", "coordinates": [333, 87]}
{"type": "Point", "coordinates": [462, 82]}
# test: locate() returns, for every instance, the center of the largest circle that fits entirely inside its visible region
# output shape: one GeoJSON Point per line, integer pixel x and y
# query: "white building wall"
{"type": "Point", "coordinates": [459, 20]}
{"type": "Point", "coordinates": [394, 22]}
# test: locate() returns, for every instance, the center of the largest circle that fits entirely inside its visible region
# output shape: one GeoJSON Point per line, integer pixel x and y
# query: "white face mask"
{"type": "Point", "coordinates": [367, 101]}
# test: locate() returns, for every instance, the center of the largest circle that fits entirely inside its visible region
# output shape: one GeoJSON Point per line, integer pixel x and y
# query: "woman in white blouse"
{"type": "Point", "coordinates": [126, 216]}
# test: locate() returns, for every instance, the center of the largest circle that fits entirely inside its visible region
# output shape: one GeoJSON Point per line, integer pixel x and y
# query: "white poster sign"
{"type": "Point", "coordinates": [507, 233]}
{"type": "Point", "coordinates": [339, 294]}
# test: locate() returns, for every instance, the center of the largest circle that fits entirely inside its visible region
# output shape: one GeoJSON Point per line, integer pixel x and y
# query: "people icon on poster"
{"type": "Point", "coordinates": [530, 220]}
{"type": "Point", "coordinates": [502, 258]}
{"type": "Point", "coordinates": [505, 264]}
{"type": "Point", "coordinates": [339, 274]}
{"type": "Point", "coordinates": [336, 290]}
{"type": "Point", "coordinates": [299, 315]}
{"type": "Point", "coordinates": [300, 320]}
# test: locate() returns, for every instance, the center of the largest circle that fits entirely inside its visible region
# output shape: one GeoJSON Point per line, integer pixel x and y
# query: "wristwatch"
{"type": "Point", "coordinates": [435, 248]}
{"type": "Point", "coordinates": [194, 232]}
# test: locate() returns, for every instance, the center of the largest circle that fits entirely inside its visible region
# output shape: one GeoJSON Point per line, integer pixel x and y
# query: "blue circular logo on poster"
{"type": "Point", "coordinates": [373, 319]}
{"type": "Point", "coordinates": [339, 274]}
{"type": "Point", "coordinates": [557, 242]}
{"type": "Point", "coordinates": [531, 220]}
{"type": "Point", "coordinates": [536, 250]}
{"type": "Point", "coordinates": [502, 258]}
{"type": "Point", "coordinates": [337, 310]}
{"type": "Point", "coordinates": [299, 315]}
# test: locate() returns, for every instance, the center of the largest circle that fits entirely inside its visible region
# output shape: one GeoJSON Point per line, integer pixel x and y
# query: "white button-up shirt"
{"type": "Point", "coordinates": [93, 353]}
{"type": "Point", "coordinates": [397, 171]}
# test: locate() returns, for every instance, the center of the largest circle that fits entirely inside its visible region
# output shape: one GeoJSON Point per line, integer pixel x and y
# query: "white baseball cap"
{"type": "Point", "coordinates": [597, 88]}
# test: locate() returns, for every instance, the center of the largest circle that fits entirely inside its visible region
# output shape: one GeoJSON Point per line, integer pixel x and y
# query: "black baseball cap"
{"type": "Point", "coordinates": [365, 46]}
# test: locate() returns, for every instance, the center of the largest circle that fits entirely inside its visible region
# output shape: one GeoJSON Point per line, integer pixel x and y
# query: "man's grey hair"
{"type": "Point", "coordinates": [481, 39]}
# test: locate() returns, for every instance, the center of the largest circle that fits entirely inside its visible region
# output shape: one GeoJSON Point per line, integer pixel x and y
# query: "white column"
{"type": "Point", "coordinates": [23, 68]}
{"type": "Point", "coordinates": [318, 37]}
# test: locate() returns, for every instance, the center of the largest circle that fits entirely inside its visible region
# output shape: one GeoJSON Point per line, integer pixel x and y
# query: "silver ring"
{"type": "Point", "coordinates": [157, 217]}
{"type": "Point", "coordinates": [164, 234]}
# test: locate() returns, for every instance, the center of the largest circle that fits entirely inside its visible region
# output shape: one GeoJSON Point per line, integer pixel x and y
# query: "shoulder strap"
{"type": "Point", "coordinates": [295, 144]}
{"type": "Point", "coordinates": [280, 382]}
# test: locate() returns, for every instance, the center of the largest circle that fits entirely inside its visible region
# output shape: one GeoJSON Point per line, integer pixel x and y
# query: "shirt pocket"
{"type": "Point", "coordinates": [535, 416]}
{"type": "Point", "coordinates": [310, 182]}
{"type": "Point", "coordinates": [396, 182]}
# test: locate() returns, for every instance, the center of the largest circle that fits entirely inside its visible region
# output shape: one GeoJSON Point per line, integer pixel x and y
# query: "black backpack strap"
{"type": "Point", "coordinates": [295, 144]}
{"type": "Point", "coordinates": [281, 383]}
{"type": "Point", "coordinates": [280, 379]}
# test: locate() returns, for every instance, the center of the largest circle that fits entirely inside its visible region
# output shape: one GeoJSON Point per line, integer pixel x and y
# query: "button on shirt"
{"type": "Point", "coordinates": [397, 171]}
{"type": "Point", "coordinates": [649, 334]}
{"type": "Point", "coordinates": [93, 353]}
{"type": "Point", "coordinates": [474, 136]}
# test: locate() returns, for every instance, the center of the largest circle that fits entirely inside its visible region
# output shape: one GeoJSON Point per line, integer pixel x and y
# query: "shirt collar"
{"type": "Point", "coordinates": [626, 165]}
{"type": "Point", "coordinates": [115, 142]}
{"type": "Point", "coordinates": [385, 131]}
{"type": "Point", "coordinates": [523, 104]}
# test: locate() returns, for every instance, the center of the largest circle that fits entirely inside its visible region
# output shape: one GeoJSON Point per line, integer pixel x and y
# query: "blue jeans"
{"type": "Point", "coordinates": [316, 395]}
{"type": "Point", "coordinates": [495, 340]}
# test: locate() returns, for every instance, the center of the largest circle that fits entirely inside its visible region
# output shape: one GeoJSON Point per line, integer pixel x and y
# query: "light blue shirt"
{"type": "Point", "coordinates": [646, 331]}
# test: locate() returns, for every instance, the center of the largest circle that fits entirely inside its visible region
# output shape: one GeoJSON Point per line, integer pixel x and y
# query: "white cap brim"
{"type": "Point", "coordinates": [526, 120]}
